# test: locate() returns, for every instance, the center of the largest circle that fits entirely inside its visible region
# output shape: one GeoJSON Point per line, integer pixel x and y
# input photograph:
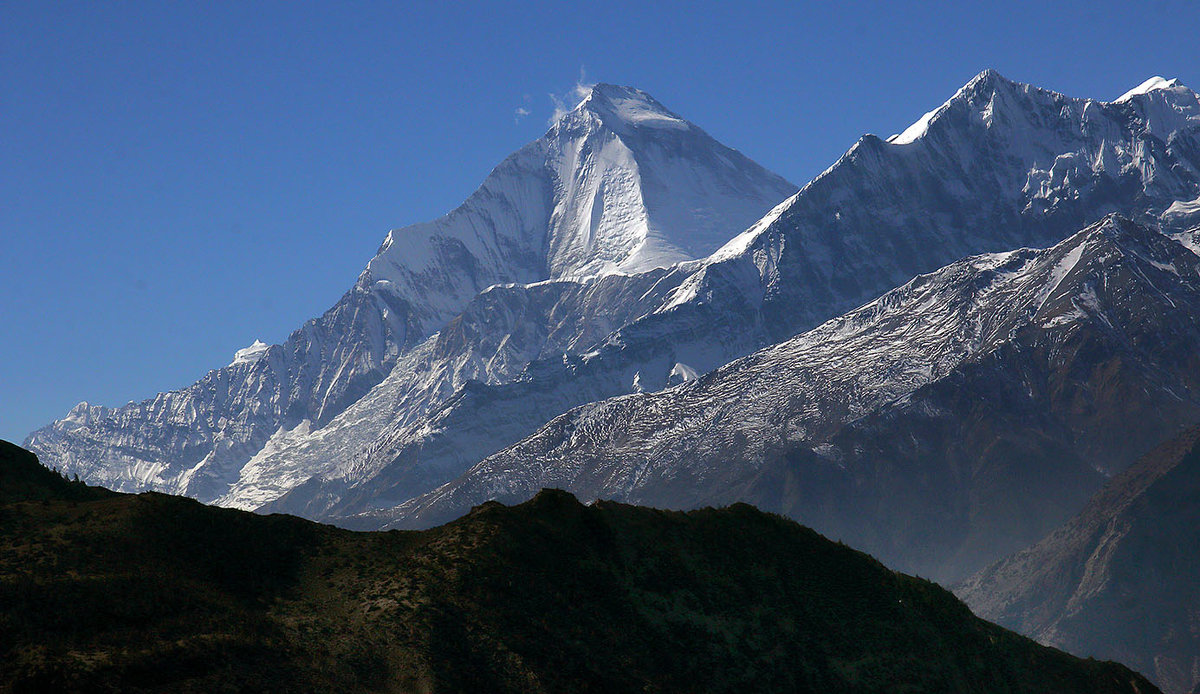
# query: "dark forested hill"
{"type": "Point", "coordinates": [100, 591]}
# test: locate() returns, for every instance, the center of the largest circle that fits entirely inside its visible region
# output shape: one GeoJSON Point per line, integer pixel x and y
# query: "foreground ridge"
{"type": "Point", "coordinates": [153, 592]}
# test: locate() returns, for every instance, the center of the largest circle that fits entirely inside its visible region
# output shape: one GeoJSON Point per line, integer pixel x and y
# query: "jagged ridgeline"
{"type": "Point", "coordinates": [584, 269]}
{"type": "Point", "coordinates": [620, 185]}
{"type": "Point", "coordinates": [952, 421]}
{"type": "Point", "coordinates": [113, 592]}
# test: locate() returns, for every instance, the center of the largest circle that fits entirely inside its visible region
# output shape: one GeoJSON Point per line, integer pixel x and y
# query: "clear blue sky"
{"type": "Point", "coordinates": [178, 179]}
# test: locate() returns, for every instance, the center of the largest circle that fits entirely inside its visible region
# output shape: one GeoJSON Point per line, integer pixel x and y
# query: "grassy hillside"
{"type": "Point", "coordinates": [117, 592]}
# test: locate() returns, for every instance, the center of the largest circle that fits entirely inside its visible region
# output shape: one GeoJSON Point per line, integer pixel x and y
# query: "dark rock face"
{"type": "Point", "coordinates": [1119, 580]}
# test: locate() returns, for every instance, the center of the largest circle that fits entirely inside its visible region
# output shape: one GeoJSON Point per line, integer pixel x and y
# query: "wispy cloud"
{"type": "Point", "coordinates": [565, 102]}
{"type": "Point", "coordinates": [522, 111]}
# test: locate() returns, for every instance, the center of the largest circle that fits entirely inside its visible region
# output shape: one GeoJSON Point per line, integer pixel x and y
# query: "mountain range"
{"type": "Point", "coordinates": [938, 350]}
{"type": "Point", "coordinates": [810, 259]}
{"type": "Point", "coordinates": [618, 185]}
{"type": "Point", "coordinates": [361, 408]}
{"type": "Point", "coordinates": [981, 405]}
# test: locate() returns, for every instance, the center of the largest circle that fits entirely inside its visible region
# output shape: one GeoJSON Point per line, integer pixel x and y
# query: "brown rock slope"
{"type": "Point", "coordinates": [1121, 579]}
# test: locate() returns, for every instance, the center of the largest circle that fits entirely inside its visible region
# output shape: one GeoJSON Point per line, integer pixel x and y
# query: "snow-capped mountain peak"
{"type": "Point", "coordinates": [1165, 106]}
{"type": "Point", "coordinates": [1148, 86]}
{"type": "Point", "coordinates": [1001, 147]}
{"type": "Point", "coordinates": [988, 79]}
{"type": "Point", "coordinates": [251, 354]}
{"type": "Point", "coordinates": [993, 98]}
{"type": "Point", "coordinates": [84, 413]}
{"type": "Point", "coordinates": [621, 107]}
{"type": "Point", "coordinates": [619, 185]}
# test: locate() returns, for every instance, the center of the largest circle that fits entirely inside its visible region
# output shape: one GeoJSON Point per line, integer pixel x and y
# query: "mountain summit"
{"type": "Point", "coordinates": [1148, 86]}
{"type": "Point", "coordinates": [617, 185]}
{"type": "Point", "coordinates": [624, 108]}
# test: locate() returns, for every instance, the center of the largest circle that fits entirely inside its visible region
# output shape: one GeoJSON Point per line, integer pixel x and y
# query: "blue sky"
{"type": "Point", "coordinates": [178, 179]}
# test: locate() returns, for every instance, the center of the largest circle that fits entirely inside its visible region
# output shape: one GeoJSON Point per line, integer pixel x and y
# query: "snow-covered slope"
{"type": "Point", "coordinates": [951, 420]}
{"type": "Point", "coordinates": [1000, 165]}
{"type": "Point", "coordinates": [363, 410]}
{"type": "Point", "coordinates": [619, 184]}
{"type": "Point", "coordinates": [492, 341]}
